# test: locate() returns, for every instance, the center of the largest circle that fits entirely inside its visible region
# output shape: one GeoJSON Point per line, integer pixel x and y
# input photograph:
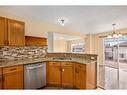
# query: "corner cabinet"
{"type": "Point", "coordinates": [86, 76]}
{"type": "Point", "coordinates": [12, 32]}
{"type": "Point", "coordinates": [13, 77]}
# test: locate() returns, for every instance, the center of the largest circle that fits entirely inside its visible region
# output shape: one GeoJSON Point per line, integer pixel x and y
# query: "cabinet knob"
{"type": "Point", "coordinates": [62, 70]}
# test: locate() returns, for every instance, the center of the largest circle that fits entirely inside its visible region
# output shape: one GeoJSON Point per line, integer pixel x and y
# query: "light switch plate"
{"type": "Point", "coordinates": [92, 57]}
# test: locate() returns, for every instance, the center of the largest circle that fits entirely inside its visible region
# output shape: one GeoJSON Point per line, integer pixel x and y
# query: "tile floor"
{"type": "Point", "coordinates": [108, 78]}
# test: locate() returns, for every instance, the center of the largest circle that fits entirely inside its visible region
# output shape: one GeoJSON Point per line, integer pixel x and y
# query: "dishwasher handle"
{"type": "Point", "coordinates": [34, 67]}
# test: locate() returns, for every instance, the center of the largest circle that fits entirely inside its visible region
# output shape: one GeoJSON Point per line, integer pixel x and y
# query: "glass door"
{"type": "Point", "coordinates": [123, 62]}
{"type": "Point", "coordinates": [111, 64]}
{"type": "Point", "coordinates": [115, 64]}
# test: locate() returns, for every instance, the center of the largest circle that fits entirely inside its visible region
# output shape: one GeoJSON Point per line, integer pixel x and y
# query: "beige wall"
{"type": "Point", "coordinates": [88, 44]}
{"type": "Point", "coordinates": [64, 45]}
{"type": "Point", "coordinates": [60, 46]}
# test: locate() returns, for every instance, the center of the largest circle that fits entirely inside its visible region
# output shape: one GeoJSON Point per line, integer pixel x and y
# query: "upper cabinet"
{"type": "Point", "coordinates": [12, 32]}
{"type": "Point", "coordinates": [39, 41]}
{"type": "Point", "coordinates": [16, 32]}
{"type": "Point", "coordinates": [2, 31]}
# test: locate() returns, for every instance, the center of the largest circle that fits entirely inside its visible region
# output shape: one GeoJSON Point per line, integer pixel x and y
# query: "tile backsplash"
{"type": "Point", "coordinates": [12, 53]}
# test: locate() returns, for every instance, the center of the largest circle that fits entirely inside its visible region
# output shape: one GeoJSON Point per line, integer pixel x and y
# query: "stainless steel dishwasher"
{"type": "Point", "coordinates": [35, 75]}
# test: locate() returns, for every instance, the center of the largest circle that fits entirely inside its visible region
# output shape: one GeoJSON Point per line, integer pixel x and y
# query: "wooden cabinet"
{"type": "Point", "coordinates": [1, 78]}
{"type": "Point", "coordinates": [13, 77]}
{"type": "Point", "coordinates": [53, 73]}
{"type": "Point", "coordinates": [85, 76]}
{"type": "Point", "coordinates": [16, 32]}
{"type": "Point", "coordinates": [39, 41]}
{"type": "Point", "coordinates": [67, 74]}
{"type": "Point", "coordinates": [60, 74]}
{"type": "Point", "coordinates": [70, 74]}
{"type": "Point", "coordinates": [3, 28]}
{"type": "Point", "coordinates": [80, 76]}
{"type": "Point", "coordinates": [91, 73]}
{"type": "Point", "coordinates": [11, 32]}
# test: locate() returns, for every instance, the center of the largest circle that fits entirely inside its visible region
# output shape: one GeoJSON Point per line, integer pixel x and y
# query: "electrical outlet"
{"type": "Point", "coordinates": [92, 58]}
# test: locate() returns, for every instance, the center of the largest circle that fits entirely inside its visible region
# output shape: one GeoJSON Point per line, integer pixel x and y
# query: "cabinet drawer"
{"type": "Point", "coordinates": [54, 63]}
{"type": "Point", "coordinates": [80, 66]}
{"type": "Point", "coordinates": [66, 64]}
{"type": "Point", "coordinates": [12, 69]}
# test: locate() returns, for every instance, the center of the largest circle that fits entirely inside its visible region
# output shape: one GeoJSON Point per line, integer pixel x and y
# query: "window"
{"type": "Point", "coordinates": [78, 48]}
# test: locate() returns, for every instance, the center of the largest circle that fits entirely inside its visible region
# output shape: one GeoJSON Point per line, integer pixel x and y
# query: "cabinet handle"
{"type": "Point", "coordinates": [0, 78]}
{"type": "Point", "coordinates": [76, 70]}
{"type": "Point", "coordinates": [62, 70]}
{"type": "Point", "coordinates": [3, 78]}
{"type": "Point", "coordinates": [80, 66]}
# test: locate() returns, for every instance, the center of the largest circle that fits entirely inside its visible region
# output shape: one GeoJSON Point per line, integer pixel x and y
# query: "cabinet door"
{"type": "Point", "coordinates": [0, 81]}
{"type": "Point", "coordinates": [15, 33]}
{"type": "Point", "coordinates": [80, 78]}
{"type": "Point", "coordinates": [0, 78]}
{"type": "Point", "coordinates": [54, 73]}
{"type": "Point", "coordinates": [67, 74]}
{"type": "Point", "coordinates": [13, 80]}
{"type": "Point", "coordinates": [91, 76]}
{"type": "Point", "coordinates": [3, 31]}
{"type": "Point", "coordinates": [13, 77]}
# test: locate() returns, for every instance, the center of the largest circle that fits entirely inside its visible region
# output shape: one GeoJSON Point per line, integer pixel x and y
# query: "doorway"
{"type": "Point", "coordinates": [113, 72]}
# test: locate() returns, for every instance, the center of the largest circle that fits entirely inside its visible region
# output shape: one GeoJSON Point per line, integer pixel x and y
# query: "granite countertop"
{"type": "Point", "coordinates": [34, 60]}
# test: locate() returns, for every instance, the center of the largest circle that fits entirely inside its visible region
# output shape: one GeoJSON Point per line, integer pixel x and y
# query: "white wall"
{"type": "Point", "coordinates": [60, 46]}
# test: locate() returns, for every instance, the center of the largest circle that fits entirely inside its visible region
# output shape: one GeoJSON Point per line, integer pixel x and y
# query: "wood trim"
{"type": "Point", "coordinates": [12, 20]}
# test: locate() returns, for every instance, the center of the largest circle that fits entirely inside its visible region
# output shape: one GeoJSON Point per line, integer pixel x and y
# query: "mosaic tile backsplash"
{"type": "Point", "coordinates": [12, 53]}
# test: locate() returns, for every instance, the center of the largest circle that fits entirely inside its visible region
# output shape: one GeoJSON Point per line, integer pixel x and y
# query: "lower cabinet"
{"type": "Point", "coordinates": [80, 76]}
{"type": "Point", "coordinates": [53, 73]}
{"type": "Point", "coordinates": [85, 76]}
{"type": "Point", "coordinates": [0, 78]}
{"type": "Point", "coordinates": [72, 75]}
{"type": "Point", "coordinates": [60, 74]}
{"type": "Point", "coordinates": [13, 77]}
{"type": "Point", "coordinates": [67, 79]}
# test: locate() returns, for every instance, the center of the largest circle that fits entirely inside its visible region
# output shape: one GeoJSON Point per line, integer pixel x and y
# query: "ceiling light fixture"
{"type": "Point", "coordinates": [114, 33]}
{"type": "Point", "coordinates": [62, 22]}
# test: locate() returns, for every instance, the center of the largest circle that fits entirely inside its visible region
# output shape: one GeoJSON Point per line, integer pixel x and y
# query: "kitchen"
{"type": "Point", "coordinates": [42, 51]}
{"type": "Point", "coordinates": [26, 64]}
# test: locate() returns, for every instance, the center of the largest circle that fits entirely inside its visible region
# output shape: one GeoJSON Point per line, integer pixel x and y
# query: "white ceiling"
{"type": "Point", "coordinates": [84, 19]}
